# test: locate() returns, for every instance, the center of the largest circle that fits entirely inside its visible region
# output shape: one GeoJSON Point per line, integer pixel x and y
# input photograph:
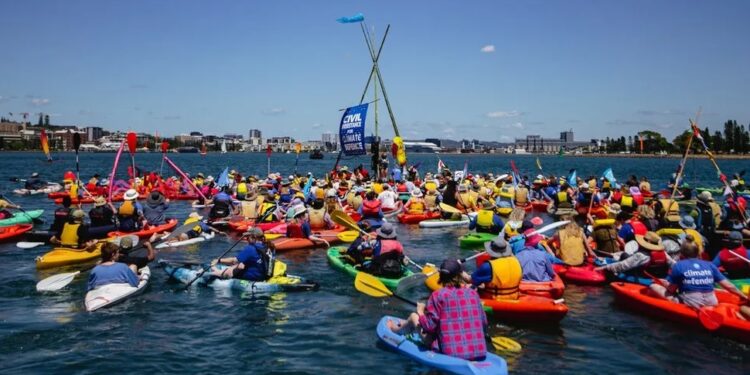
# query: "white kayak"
{"type": "Point", "coordinates": [110, 294]}
{"type": "Point", "coordinates": [52, 187]}
{"type": "Point", "coordinates": [201, 238]}
{"type": "Point", "coordinates": [442, 223]}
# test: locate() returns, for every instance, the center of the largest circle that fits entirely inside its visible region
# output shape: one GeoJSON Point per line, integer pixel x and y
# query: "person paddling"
{"type": "Point", "coordinates": [133, 261]}
{"type": "Point", "coordinates": [729, 257]}
{"type": "Point", "coordinates": [486, 220]}
{"type": "Point", "coordinates": [4, 206]}
{"type": "Point", "coordinates": [102, 217]}
{"type": "Point", "coordinates": [130, 212]}
{"type": "Point", "coordinates": [646, 253]}
{"type": "Point", "coordinates": [109, 271]}
{"type": "Point", "coordinates": [74, 234]}
{"type": "Point", "coordinates": [253, 263]}
{"type": "Point", "coordinates": [535, 263]}
{"type": "Point", "coordinates": [156, 206]}
{"type": "Point", "coordinates": [500, 277]}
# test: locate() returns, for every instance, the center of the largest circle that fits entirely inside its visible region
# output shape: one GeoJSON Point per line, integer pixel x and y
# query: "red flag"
{"type": "Point", "coordinates": [164, 146]}
{"type": "Point", "coordinates": [268, 151]}
{"type": "Point", "coordinates": [132, 142]}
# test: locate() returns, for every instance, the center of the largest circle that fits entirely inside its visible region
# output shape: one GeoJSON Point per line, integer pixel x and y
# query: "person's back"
{"type": "Point", "coordinates": [155, 209]}
{"type": "Point", "coordinates": [252, 258]}
{"type": "Point", "coordinates": [101, 216]}
{"type": "Point", "coordinates": [456, 315]}
{"type": "Point", "coordinates": [222, 206]}
{"type": "Point", "coordinates": [388, 199]}
{"type": "Point", "coordinates": [730, 257]}
{"type": "Point", "coordinates": [109, 271]}
{"type": "Point", "coordinates": [535, 265]}
{"type": "Point", "coordinates": [572, 249]}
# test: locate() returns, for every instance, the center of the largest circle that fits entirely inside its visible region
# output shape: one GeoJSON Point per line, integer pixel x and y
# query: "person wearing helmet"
{"type": "Point", "coordinates": [74, 234]}
{"type": "Point", "coordinates": [254, 263]}
{"type": "Point", "coordinates": [35, 182]}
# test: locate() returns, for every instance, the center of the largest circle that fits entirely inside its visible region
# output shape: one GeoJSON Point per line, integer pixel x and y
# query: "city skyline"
{"type": "Point", "coordinates": [492, 71]}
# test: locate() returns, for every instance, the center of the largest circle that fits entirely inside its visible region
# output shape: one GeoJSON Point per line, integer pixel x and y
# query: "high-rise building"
{"type": "Point", "coordinates": [93, 133]}
{"type": "Point", "coordinates": [567, 136]}
{"type": "Point", "coordinates": [330, 141]}
{"type": "Point", "coordinates": [254, 133]}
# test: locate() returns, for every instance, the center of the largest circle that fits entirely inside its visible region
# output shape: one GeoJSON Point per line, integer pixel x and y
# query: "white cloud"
{"type": "Point", "coordinates": [503, 114]}
{"type": "Point", "coordinates": [39, 101]}
{"type": "Point", "coordinates": [488, 48]}
{"type": "Point", "coordinates": [517, 125]}
{"type": "Point", "coordinates": [274, 111]}
{"type": "Point", "coordinates": [4, 99]}
{"type": "Point", "coordinates": [316, 125]}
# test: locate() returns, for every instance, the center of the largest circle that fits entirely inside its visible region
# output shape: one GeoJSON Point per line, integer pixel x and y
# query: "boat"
{"type": "Point", "coordinates": [442, 223]}
{"type": "Point", "coordinates": [203, 237]}
{"type": "Point", "coordinates": [316, 155]}
{"type": "Point", "coordinates": [223, 146]}
{"type": "Point", "coordinates": [280, 282]}
{"type": "Point", "coordinates": [580, 275]}
{"type": "Point", "coordinates": [187, 150]}
{"type": "Point", "coordinates": [66, 256]}
{"type": "Point", "coordinates": [475, 240]}
{"type": "Point", "coordinates": [317, 239]}
{"type": "Point", "coordinates": [407, 218]}
{"type": "Point", "coordinates": [335, 259]}
{"type": "Point", "coordinates": [111, 294]}
{"type": "Point", "coordinates": [148, 230]}
{"type": "Point", "coordinates": [634, 297]}
{"type": "Point", "coordinates": [52, 187]}
{"type": "Point", "coordinates": [11, 232]}
{"type": "Point", "coordinates": [412, 347]}
{"type": "Point", "coordinates": [21, 217]}
{"type": "Point", "coordinates": [389, 213]}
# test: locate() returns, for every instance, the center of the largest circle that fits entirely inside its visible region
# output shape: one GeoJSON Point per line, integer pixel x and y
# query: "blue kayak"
{"type": "Point", "coordinates": [410, 346]}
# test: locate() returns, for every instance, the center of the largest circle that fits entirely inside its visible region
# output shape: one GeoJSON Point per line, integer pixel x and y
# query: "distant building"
{"type": "Point", "coordinates": [10, 130]}
{"type": "Point", "coordinates": [233, 136]}
{"type": "Point", "coordinates": [538, 144]}
{"type": "Point", "coordinates": [429, 147]}
{"type": "Point", "coordinates": [254, 133]}
{"type": "Point", "coordinates": [93, 132]}
{"type": "Point", "coordinates": [196, 134]}
{"type": "Point", "coordinates": [281, 144]}
{"type": "Point", "coordinates": [65, 138]}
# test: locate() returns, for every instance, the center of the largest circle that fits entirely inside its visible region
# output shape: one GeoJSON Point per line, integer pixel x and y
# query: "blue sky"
{"type": "Point", "coordinates": [490, 70]}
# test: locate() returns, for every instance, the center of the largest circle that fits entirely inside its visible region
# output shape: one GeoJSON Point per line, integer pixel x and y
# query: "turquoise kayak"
{"type": "Point", "coordinates": [21, 218]}
{"type": "Point", "coordinates": [411, 346]}
{"type": "Point", "coordinates": [334, 257]}
{"type": "Point", "coordinates": [475, 240]}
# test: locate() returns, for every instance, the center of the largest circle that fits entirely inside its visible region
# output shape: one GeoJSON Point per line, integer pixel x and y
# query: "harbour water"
{"type": "Point", "coordinates": [332, 330]}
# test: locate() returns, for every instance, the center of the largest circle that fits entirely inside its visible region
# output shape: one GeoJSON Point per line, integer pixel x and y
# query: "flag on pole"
{"type": "Point", "coordinates": [359, 17]}
{"type": "Point", "coordinates": [728, 191]}
{"type": "Point", "coordinates": [572, 178]}
{"type": "Point", "coordinates": [224, 178]}
{"type": "Point", "coordinates": [538, 164]}
{"type": "Point", "coordinates": [609, 176]}
{"type": "Point", "coordinates": [440, 166]}
{"type": "Point", "coordinates": [268, 151]}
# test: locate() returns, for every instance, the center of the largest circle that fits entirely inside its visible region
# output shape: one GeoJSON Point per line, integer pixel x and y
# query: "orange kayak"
{"type": "Point", "coordinates": [550, 289]}
{"type": "Point", "coordinates": [244, 225]}
{"type": "Point", "coordinates": [329, 236]}
{"type": "Point", "coordinates": [633, 296]}
{"type": "Point", "coordinates": [148, 231]}
{"type": "Point", "coordinates": [13, 231]}
{"type": "Point", "coordinates": [407, 218]}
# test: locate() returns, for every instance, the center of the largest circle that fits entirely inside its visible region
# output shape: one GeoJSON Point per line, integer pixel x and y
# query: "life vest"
{"type": "Point", "coordinates": [389, 246]}
{"type": "Point", "coordinates": [716, 211]}
{"type": "Point", "coordinates": [265, 207]}
{"type": "Point", "coordinates": [370, 208]}
{"type": "Point", "coordinates": [485, 219]}
{"type": "Point", "coordinates": [657, 264]}
{"type": "Point", "coordinates": [98, 216]}
{"type": "Point", "coordinates": [668, 210]}
{"type": "Point", "coordinates": [69, 235]}
{"type": "Point", "coordinates": [605, 237]}
{"type": "Point", "coordinates": [320, 193]}
{"type": "Point", "coordinates": [506, 192]}
{"type": "Point", "coordinates": [197, 229]}
{"type": "Point", "coordinates": [562, 197]}
{"type": "Point", "coordinates": [377, 188]}
{"type": "Point", "coordinates": [294, 230]}
{"type": "Point", "coordinates": [464, 201]}
{"type": "Point", "coordinates": [430, 201]}
{"type": "Point", "coordinates": [242, 188]}
{"type": "Point", "coordinates": [572, 250]}
{"type": "Point", "coordinates": [506, 278]}
{"type": "Point", "coordinates": [250, 209]}
{"type": "Point", "coordinates": [74, 191]}
{"type": "Point", "coordinates": [511, 228]}
{"type": "Point", "coordinates": [416, 206]}
{"type": "Point", "coordinates": [317, 218]}
{"type": "Point", "coordinates": [62, 215]}
{"type": "Point", "coordinates": [220, 209]}
{"type": "Point", "coordinates": [627, 201]}
{"type": "Point", "coordinates": [522, 196]}
{"type": "Point", "coordinates": [735, 266]}
{"type": "Point", "coordinates": [401, 188]}
{"type": "Point", "coordinates": [638, 227]}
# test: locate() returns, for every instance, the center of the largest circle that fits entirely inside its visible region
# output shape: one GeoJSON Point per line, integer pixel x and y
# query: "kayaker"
{"type": "Point", "coordinates": [708, 215]}
{"type": "Point", "coordinates": [605, 236]}
{"type": "Point", "coordinates": [729, 257]}
{"type": "Point", "coordinates": [500, 277]}
{"type": "Point", "coordinates": [133, 261]}
{"type": "Point", "coordinates": [388, 198]}
{"type": "Point", "coordinates": [416, 204]}
{"type": "Point", "coordinates": [61, 215]}
{"type": "Point", "coordinates": [250, 206]}
{"type": "Point", "coordinates": [646, 253]}
{"type": "Point", "coordinates": [156, 206]}
{"type": "Point", "coordinates": [319, 218]}
{"type": "Point", "coordinates": [297, 226]}
{"type": "Point", "coordinates": [562, 199]}
{"type": "Point", "coordinates": [691, 281]}
{"type": "Point", "coordinates": [109, 271]}
{"type": "Point", "coordinates": [5, 205]}
{"type": "Point", "coordinates": [102, 218]}
{"type": "Point", "coordinates": [130, 213]}
{"type": "Point", "coordinates": [199, 228]}
{"type": "Point", "coordinates": [536, 265]}
{"type": "Point", "coordinates": [453, 321]}
{"type": "Point", "coordinates": [466, 202]}
{"type": "Point", "coordinates": [631, 226]}
{"type": "Point", "coordinates": [432, 197]}
{"type": "Point", "coordinates": [371, 207]}
{"type": "Point", "coordinates": [74, 234]}
{"type": "Point", "coordinates": [573, 247]}
{"type": "Point", "coordinates": [253, 263]}
{"type": "Point", "coordinates": [647, 216]}
{"type": "Point", "coordinates": [486, 220]}
{"type": "Point", "coordinates": [223, 207]}
{"type": "Point", "coordinates": [35, 183]}
{"type": "Point", "coordinates": [332, 201]}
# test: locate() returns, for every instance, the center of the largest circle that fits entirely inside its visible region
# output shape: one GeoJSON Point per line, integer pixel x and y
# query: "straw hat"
{"type": "Point", "coordinates": [650, 241]}
{"type": "Point", "coordinates": [687, 222]}
{"type": "Point", "coordinates": [416, 193]}
{"type": "Point", "coordinates": [78, 214]}
{"type": "Point", "coordinates": [131, 195]}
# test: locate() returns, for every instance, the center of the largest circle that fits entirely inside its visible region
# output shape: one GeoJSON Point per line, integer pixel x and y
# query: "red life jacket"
{"type": "Point", "coordinates": [401, 188]}
{"type": "Point", "coordinates": [370, 208]}
{"type": "Point", "coordinates": [389, 246]}
{"type": "Point", "coordinates": [638, 227]}
{"type": "Point", "coordinates": [657, 264]}
{"type": "Point", "coordinates": [734, 265]}
{"type": "Point", "coordinates": [638, 198]}
{"type": "Point", "coordinates": [294, 230]}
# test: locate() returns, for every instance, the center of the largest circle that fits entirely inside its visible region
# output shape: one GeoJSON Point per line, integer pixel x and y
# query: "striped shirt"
{"type": "Point", "coordinates": [455, 316]}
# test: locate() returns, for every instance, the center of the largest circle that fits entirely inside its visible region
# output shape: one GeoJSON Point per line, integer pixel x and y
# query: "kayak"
{"type": "Point", "coordinates": [404, 197]}
{"type": "Point", "coordinates": [549, 289]}
{"type": "Point", "coordinates": [21, 217]}
{"type": "Point", "coordinates": [280, 282]}
{"type": "Point", "coordinates": [407, 218]}
{"type": "Point", "coordinates": [633, 296]}
{"type": "Point", "coordinates": [539, 205]}
{"type": "Point", "coordinates": [13, 231]}
{"type": "Point", "coordinates": [412, 347]}
{"type": "Point", "coordinates": [475, 240]}
{"type": "Point", "coordinates": [526, 207]}
{"type": "Point", "coordinates": [526, 309]}
{"type": "Point", "coordinates": [148, 230]}
{"type": "Point", "coordinates": [244, 225]}
{"type": "Point", "coordinates": [190, 241]}
{"type": "Point", "coordinates": [441, 223]}
{"type": "Point", "coordinates": [110, 294]}
{"type": "Point", "coordinates": [334, 257]}
{"type": "Point", "coordinates": [66, 256]}
{"type": "Point", "coordinates": [52, 187]}
{"type": "Point", "coordinates": [319, 239]}
{"type": "Point", "coordinates": [580, 275]}
{"type": "Point", "coordinates": [391, 213]}
{"type": "Point", "coordinates": [719, 190]}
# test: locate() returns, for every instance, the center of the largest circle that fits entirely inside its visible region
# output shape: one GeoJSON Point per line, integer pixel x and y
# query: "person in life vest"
{"type": "Point", "coordinates": [521, 195]}
{"type": "Point", "coordinates": [371, 207]}
{"type": "Point", "coordinates": [645, 253]}
{"type": "Point", "coordinates": [102, 218]}
{"type": "Point", "coordinates": [730, 257]}
{"type": "Point", "coordinates": [647, 216]}
{"type": "Point", "coordinates": [562, 198]}
{"type": "Point", "coordinates": [130, 213]}
{"type": "Point", "coordinates": [687, 228]}
{"type": "Point", "coordinates": [242, 188]}
{"type": "Point", "coordinates": [62, 215]}
{"type": "Point", "coordinates": [250, 205]}
{"type": "Point", "coordinates": [74, 234]}
{"type": "Point", "coordinates": [465, 200]}
{"type": "Point", "coordinates": [573, 248]}
{"type": "Point", "coordinates": [584, 197]}
{"type": "Point", "coordinates": [388, 259]}
{"type": "Point", "coordinates": [535, 263]}
{"type": "Point", "coordinates": [254, 263]}
{"type": "Point", "coordinates": [631, 227]}
{"type": "Point", "coordinates": [35, 182]}
{"type": "Point", "coordinates": [708, 214]}
{"type": "Point", "coordinates": [354, 198]}
{"type": "Point", "coordinates": [500, 276]}
{"type": "Point", "coordinates": [332, 201]}
{"type": "Point", "coordinates": [486, 220]}
{"type": "Point", "coordinates": [199, 228]}
{"type": "Point", "coordinates": [401, 187]}
{"type": "Point", "coordinates": [319, 217]}
{"type": "Point", "coordinates": [416, 204]}
{"type": "Point", "coordinates": [692, 280]}
{"type": "Point", "coordinates": [605, 236]}
{"type": "Point", "coordinates": [224, 206]}
{"type": "Point", "coordinates": [644, 186]}
{"type": "Point", "coordinates": [155, 208]}
{"type": "Point", "coordinates": [297, 226]}
{"type": "Point", "coordinates": [432, 197]}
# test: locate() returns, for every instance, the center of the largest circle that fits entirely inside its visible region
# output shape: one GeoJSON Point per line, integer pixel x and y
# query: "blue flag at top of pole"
{"type": "Point", "coordinates": [223, 179]}
{"type": "Point", "coordinates": [572, 178]}
{"type": "Point", "coordinates": [609, 176]}
{"type": "Point", "coordinates": [359, 17]}
{"type": "Point", "coordinates": [352, 130]}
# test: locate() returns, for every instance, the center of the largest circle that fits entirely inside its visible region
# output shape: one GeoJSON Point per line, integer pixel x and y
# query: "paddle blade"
{"type": "Point", "coordinates": [76, 140]}
{"type": "Point", "coordinates": [272, 236]}
{"type": "Point", "coordinates": [28, 245]}
{"type": "Point", "coordinates": [410, 282]}
{"type": "Point", "coordinates": [298, 147]}
{"type": "Point", "coordinates": [164, 147]}
{"type": "Point", "coordinates": [348, 236]}
{"type": "Point", "coordinates": [505, 344]}
{"type": "Point", "coordinates": [710, 319]}
{"type": "Point", "coordinates": [550, 227]}
{"type": "Point", "coordinates": [370, 285]}
{"type": "Point", "coordinates": [341, 218]}
{"type": "Point", "coordinates": [449, 208]}
{"type": "Point", "coordinates": [432, 276]}
{"type": "Point", "coordinates": [56, 282]}
{"type": "Point", "coordinates": [132, 142]}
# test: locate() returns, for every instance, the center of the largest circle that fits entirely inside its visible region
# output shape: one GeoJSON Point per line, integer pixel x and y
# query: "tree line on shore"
{"type": "Point", "coordinates": [734, 139]}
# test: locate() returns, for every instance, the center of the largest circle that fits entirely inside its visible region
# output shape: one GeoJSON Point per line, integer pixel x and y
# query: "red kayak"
{"type": "Point", "coordinates": [550, 289]}
{"type": "Point", "coordinates": [13, 231]}
{"type": "Point", "coordinates": [407, 218]}
{"type": "Point", "coordinates": [633, 296]}
{"type": "Point", "coordinates": [148, 230]}
{"type": "Point", "coordinates": [580, 275]}
{"type": "Point", "coordinates": [244, 225]}
{"type": "Point", "coordinates": [319, 240]}
{"type": "Point", "coordinates": [540, 205]}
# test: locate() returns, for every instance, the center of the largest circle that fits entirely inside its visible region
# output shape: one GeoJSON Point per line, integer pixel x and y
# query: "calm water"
{"type": "Point", "coordinates": [328, 331]}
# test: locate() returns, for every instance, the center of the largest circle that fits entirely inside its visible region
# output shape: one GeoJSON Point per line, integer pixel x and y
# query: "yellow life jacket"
{"type": "Point", "coordinates": [606, 184]}
{"type": "Point", "coordinates": [317, 218]}
{"type": "Point", "coordinates": [511, 228]}
{"type": "Point", "coordinates": [264, 208]}
{"type": "Point", "coordinates": [485, 218]}
{"type": "Point", "coordinates": [716, 211]}
{"type": "Point", "coordinates": [430, 186]}
{"type": "Point", "coordinates": [198, 181]}
{"type": "Point", "coordinates": [697, 237]}
{"type": "Point", "coordinates": [572, 250]}
{"type": "Point", "coordinates": [127, 208]}
{"type": "Point", "coordinates": [242, 188]}
{"type": "Point", "coordinates": [197, 228]}
{"type": "Point", "coordinates": [522, 196]}
{"type": "Point", "coordinates": [430, 201]}
{"type": "Point", "coordinates": [69, 235]}
{"type": "Point", "coordinates": [465, 200]}
{"type": "Point", "coordinates": [377, 187]}
{"type": "Point", "coordinates": [674, 209]}
{"type": "Point", "coordinates": [416, 206]}
{"type": "Point", "coordinates": [626, 201]}
{"type": "Point", "coordinates": [506, 278]}
{"type": "Point", "coordinates": [320, 193]}
{"type": "Point", "coordinates": [250, 209]}
{"type": "Point", "coordinates": [506, 192]}
{"type": "Point", "coordinates": [74, 191]}
{"type": "Point", "coordinates": [604, 222]}
{"type": "Point", "coordinates": [562, 196]}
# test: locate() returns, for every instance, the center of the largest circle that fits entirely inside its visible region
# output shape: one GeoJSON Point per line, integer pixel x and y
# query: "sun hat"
{"type": "Point", "coordinates": [131, 195]}
{"type": "Point", "coordinates": [498, 248]}
{"type": "Point", "coordinates": [200, 175]}
{"type": "Point", "coordinates": [155, 198]}
{"type": "Point", "coordinates": [532, 238]}
{"type": "Point", "coordinates": [254, 232]}
{"type": "Point", "coordinates": [687, 222]}
{"type": "Point", "coordinates": [416, 193]}
{"type": "Point", "coordinates": [386, 231]}
{"type": "Point", "coordinates": [299, 210]}
{"type": "Point", "coordinates": [99, 201]}
{"type": "Point", "coordinates": [650, 241]}
{"type": "Point", "coordinates": [126, 242]}
{"type": "Point", "coordinates": [705, 196]}
{"type": "Point", "coordinates": [78, 214]}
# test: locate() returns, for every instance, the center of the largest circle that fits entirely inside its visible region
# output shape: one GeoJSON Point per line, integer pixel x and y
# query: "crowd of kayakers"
{"type": "Point", "coordinates": [677, 244]}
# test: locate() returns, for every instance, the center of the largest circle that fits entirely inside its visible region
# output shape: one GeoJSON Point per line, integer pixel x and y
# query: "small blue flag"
{"type": "Point", "coordinates": [609, 175]}
{"type": "Point", "coordinates": [572, 178]}
{"type": "Point", "coordinates": [223, 178]}
{"type": "Point", "coordinates": [359, 17]}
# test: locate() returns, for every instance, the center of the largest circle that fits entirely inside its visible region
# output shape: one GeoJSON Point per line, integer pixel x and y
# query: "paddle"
{"type": "Point", "coordinates": [372, 286]}
{"type": "Point", "coordinates": [164, 148]}
{"type": "Point", "coordinates": [76, 146]}
{"type": "Point", "coordinates": [450, 209]}
{"type": "Point", "coordinates": [203, 270]}
{"type": "Point", "coordinates": [132, 144]}
{"type": "Point", "coordinates": [711, 320]}
{"type": "Point", "coordinates": [348, 236]}
{"type": "Point", "coordinates": [297, 149]}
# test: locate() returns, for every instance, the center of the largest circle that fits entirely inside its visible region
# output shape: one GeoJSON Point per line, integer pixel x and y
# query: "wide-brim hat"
{"type": "Point", "coordinates": [99, 201]}
{"type": "Point", "coordinates": [155, 198]}
{"type": "Point", "coordinates": [416, 193]}
{"type": "Point", "coordinates": [498, 248]}
{"type": "Point", "coordinates": [78, 214]}
{"type": "Point", "coordinates": [705, 196]}
{"type": "Point", "coordinates": [200, 175]}
{"type": "Point", "coordinates": [386, 231]}
{"type": "Point", "coordinates": [687, 222]}
{"type": "Point", "coordinates": [130, 195]}
{"type": "Point", "coordinates": [650, 241]}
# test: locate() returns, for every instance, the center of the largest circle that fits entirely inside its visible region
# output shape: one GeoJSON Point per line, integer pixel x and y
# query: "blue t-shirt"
{"type": "Point", "coordinates": [255, 268]}
{"type": "Point", "coordinates": [224, 197]}
{"type": "Point", "coordinates": [117, 273]}
{"type": "Point", "coordinates": [535, 265]}
{"type": "Point", "coordinates": [695, 275]}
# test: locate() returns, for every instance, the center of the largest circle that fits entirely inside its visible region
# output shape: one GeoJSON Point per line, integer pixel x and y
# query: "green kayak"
{"type": "Point", "coordinates": [742, 284]}
{"type": "Point", "coordinates": [21, 218]}
{"type": "Point", "coordinates": [334, 258]}
{"type": "Point", "coordinates": [719, 190]}
{"type": "Point", "coordinates": [475, 240]}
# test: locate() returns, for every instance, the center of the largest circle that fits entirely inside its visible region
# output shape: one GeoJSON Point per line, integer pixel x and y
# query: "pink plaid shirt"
{"type": "Point", "coordinates": [456, 316]}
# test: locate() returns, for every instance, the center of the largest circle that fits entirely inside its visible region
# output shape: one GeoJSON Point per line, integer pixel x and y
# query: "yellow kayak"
{"type": "Point", "coordinates": [65, 256]}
